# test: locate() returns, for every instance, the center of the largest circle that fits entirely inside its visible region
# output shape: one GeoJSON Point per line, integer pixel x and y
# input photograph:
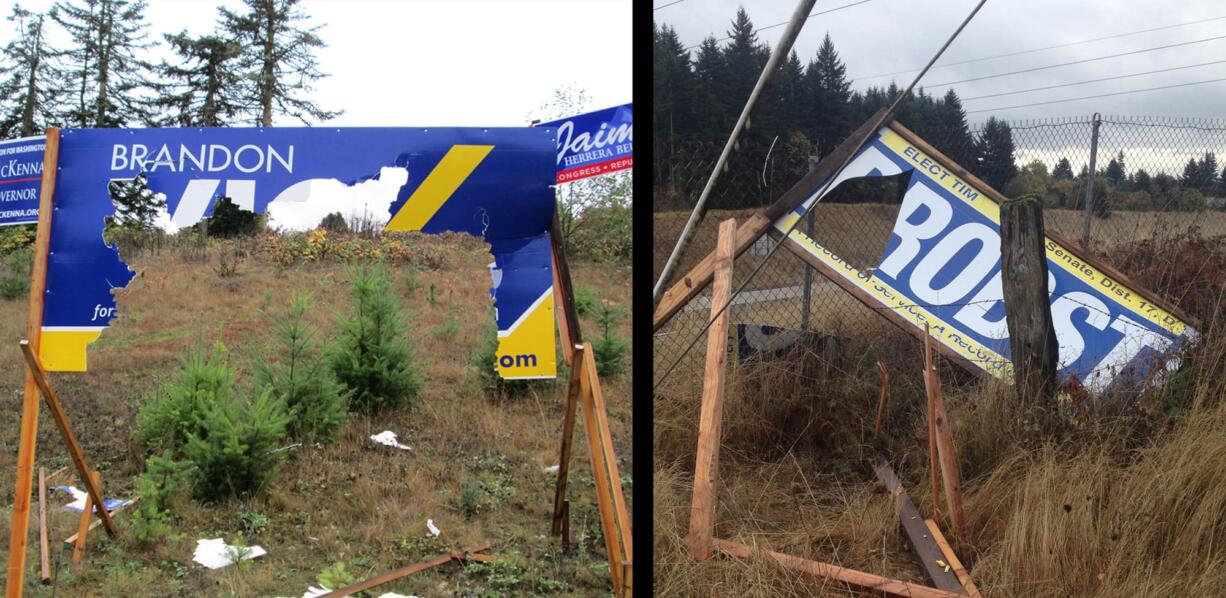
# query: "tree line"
{"type": "Point", "coordinates": [257, 63]}
{"type": "Point", "coordinates": [808, 108]}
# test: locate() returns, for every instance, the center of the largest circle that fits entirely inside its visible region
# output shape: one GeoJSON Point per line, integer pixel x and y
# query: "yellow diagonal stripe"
{"type": "Point", "coordinates": [456, 165]}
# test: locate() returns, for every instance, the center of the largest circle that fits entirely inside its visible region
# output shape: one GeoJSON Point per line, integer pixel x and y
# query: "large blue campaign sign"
{"type": "Point", "coordinates": [941, 269]}
{"type": "Point", "coordinates": [594, 143]}
{"type": "Point", "coordinates": [496, 183]}
{"type": "Point", "coordinates": [21, 174]}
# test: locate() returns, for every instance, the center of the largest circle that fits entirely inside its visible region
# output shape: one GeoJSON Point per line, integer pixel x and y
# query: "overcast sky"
{"type": "Point", "coordinates": [440, 63]}
{"type": "Point", "coordinates": [884, 36]}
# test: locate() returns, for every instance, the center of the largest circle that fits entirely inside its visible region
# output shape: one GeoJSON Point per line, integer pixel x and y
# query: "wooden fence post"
{"type": "Point", "coordinates": [706, 466]}
{"type": "Point", "coordinates": [1027, 302]}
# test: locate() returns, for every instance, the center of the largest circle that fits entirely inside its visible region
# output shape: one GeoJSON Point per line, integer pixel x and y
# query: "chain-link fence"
{"type": "Point", "coordinates": [1158, 180]}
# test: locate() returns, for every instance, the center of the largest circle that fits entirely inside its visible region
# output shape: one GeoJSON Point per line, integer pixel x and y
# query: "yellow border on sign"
{"type": "Point", "coordinates": [1105, 285]}
{"type": "Point", "coordinates": [987, 359]}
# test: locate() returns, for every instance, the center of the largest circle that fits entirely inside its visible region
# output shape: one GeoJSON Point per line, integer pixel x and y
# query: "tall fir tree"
{"type": "Point", "coordinates": [711, 117]}
{"type": "Point", "coordinates": [672, 94]}
{"type": "Point", "coordinates": [994, 154]}
{"type": "Point", "coordinates": [279, 59]}
{"type": "Point", "coordinates": [102, 61]}
{"type": "Point", "coordinates": [1063, 170]}
{"type": "Point", "coordinates": [28, 84]}
{"type": "Point", "coordinates": [953, 136]}
{"type": "Point", "coordinates": [743, 60]}
{"type": "Point", "coordinates": [784, 103]}
{"type": "Point", "coordinates": [204, 88]}
{"type": "Point", "coordinates": [828, 94]}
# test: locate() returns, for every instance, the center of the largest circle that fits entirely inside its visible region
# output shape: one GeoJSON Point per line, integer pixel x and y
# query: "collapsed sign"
{"type": "Point", "coordinates": [942, 268]}
{"type": "Point", "coordinates": [495, 183]}
{"type": "Point", "coordinates": [21, 174]}
{"type": "Point", "coordinates": [594, 143]}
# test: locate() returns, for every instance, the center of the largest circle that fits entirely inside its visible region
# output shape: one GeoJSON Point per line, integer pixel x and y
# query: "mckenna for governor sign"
{"type": "Point", "coordinates": [594, 143]}
{"type": "Point", "coordinates": [942, 268]}
{"type": "Point", "coordinates": [21, 174]}
{"type": "Point", "coordinates": [496, 183]}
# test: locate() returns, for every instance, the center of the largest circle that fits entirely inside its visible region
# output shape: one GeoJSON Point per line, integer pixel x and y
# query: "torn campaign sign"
{"type": "Point", "coordinates": [79, 496]}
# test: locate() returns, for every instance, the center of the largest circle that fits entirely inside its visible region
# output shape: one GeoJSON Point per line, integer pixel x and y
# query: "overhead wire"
{"type": "Point", "coordinates": [1052, 47]}
{"type": "Point", "coordinates": [1075, 83]}
{"type": "Point", "coordinates": [1082, 61]}
{"type": "Point", "coordinates": [655, 8]}
{"type": "Point", "coordinates": [825, 186]}
{"type": "Point", "coordinates": [820, 12]}
{"type": "Point", "coordinates": [1100, 95]}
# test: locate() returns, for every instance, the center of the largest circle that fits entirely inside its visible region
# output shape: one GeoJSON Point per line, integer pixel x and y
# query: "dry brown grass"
{"type": "Point", "coordinates": [350, 501]}
{"type": "Point", "coordinates": [1118, 497]}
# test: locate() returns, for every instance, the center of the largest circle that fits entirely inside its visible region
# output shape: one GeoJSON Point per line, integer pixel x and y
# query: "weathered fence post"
{"type": "Point", "coordinates": [1091, 175]}
{"type": "Point", "coordinates": [1027, 305]}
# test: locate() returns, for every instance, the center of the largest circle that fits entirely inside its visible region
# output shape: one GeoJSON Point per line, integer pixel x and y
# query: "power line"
{"type": "Point", "coordinates": [1082, 61]}
{"type": "Point", "coordinates": [1009, 93]}
{"type": "Point", "coordinates": [820, 12]}
{"type": "Point", "coordinates": [1101, 95]}
{"type": "Point", "coordinates": [1064, 45]}
{"type": "Point", "coordinates": [667, 5]}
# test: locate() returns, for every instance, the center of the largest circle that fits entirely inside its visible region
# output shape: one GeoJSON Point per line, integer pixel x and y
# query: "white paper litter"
{"type": "Point", "coordinates": [314, 592]}
{"type": "Point", "coordinates": [552, 469]}
{"type": "Point", "coordinates": [216, 554]}
{"type": "Point", "coordinates": [388, 438]}
{"type": "Point", "coordinates": [433, 530]}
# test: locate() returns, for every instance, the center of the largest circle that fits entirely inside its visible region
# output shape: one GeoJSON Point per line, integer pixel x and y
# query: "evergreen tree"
{"type": "Point", "coordinates": [784, 103]}
{"type": "Point", "coordinates": [829, 94]}
{"type": "Point", "coordinates": [1207, 175]}
{"type": "Point", "coordinates": [672, 90]}
{"type": "Point", "coordinates": [229, 220]}
{"type": "Point", "coordinates": [953, 136]}
{"type": "Point", "coordinates": [1063, 170]}
{"type": "Point", "coordinates": [101, 62]}
{"type": "Point", "coordinates": [1115, 170]}
{"type": "Point", "coordinates": [994, 154]}
{"type": "Point", "coordinates": [279, 58]}
{"type": "Point", "coordinates": [1140, 180]}
{"type": "Point", "coordinates": [205, 89]}
{"type": "Point", "coordinates": [136, 205]}
{"type": "Point", "coordinates": [711, 120]}
{"type": "Point", "coordinates": [28, 85]}
{"type": "Point", "coordinates": [372, 357]}
{"type": "Point", "coordinates": [334, 223]}
{"type": "Point", "coordinates": [300, 378]}
{"type": "Point", "coordinates": [742, 62]}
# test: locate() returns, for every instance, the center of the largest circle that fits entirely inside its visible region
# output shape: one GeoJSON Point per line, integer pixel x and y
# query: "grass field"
{"type": "Point", "coordinates": [351, 502]}
{"type": "Point", "coordinates": [1118, 497]}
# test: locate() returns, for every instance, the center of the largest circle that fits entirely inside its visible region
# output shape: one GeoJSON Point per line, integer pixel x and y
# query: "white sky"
{"type": "Point", "coordinates": [441, 63]}
{"type": "Point", "coordinates": [884, 36]}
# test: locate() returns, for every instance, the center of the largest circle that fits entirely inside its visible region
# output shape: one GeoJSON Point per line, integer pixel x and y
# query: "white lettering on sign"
{"type": "Point", "coordinates": [910, 235]}
{"type": "Point", "coordinates": [204, 158]}
{"type": "Point", "coordinates": [585, 143]}
{"type": "Point", "coordinates": [13, 168]}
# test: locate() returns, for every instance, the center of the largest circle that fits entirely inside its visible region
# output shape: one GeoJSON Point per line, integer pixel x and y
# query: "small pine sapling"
{"type": "Point", "coordinates": [299, 376]}
{"type": "Point", "coordinates": [372, 358]}
{"type": "Point", "coordinates": [609, 350]}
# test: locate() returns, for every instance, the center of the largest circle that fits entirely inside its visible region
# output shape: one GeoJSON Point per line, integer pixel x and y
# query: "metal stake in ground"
{"type": "Point", "coordinates": [1032, 338]}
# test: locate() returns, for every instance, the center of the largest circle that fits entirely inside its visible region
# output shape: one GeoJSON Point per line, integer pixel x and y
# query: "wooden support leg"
{"type": "Point", "coordinates": [78, 550]}
{"type": "Point", "coordinates": [956, 565]}
{"type": "Point", "coordinates": [600, 474]}
{"type": "Point", "coordinates": [44, 546]}
{"type": "Point", "coordinates": [568, 434]}
{"type": "Point", "coordinates": [885, 394]}
{"type": "Point", "coordinates": [618, 498]}
{"type": "Point", "coordinates": [74, 449]}
{"type": "Point", "coordinates": [934, 467]}
{"type": "Point", "coordinates": [706, 466]}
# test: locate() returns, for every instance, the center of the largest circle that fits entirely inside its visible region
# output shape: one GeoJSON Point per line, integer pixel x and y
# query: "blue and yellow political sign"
{"type": "Point", "coordinates": [496, 183]}
{"type": "Point", "coordinates": [942, 269]}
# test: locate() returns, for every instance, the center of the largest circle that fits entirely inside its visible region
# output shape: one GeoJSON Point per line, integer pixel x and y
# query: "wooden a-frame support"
{"type": "Point", "coordinates": [701, 539]}
{"type": "Point", "coordinates": [584, 393]}
{"type": "Point", "coordinates": [36, 383]}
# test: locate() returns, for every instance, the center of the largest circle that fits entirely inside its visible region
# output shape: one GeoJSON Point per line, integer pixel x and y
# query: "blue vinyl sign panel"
{"type": "Point", "coordinates": [594, 143]}
{"type": "Point", "coordinates": [21, 175]}
{"type": "Point", "coordinates": [496, 183]}
{"type": "Point", "coordinates": [942, 268]}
